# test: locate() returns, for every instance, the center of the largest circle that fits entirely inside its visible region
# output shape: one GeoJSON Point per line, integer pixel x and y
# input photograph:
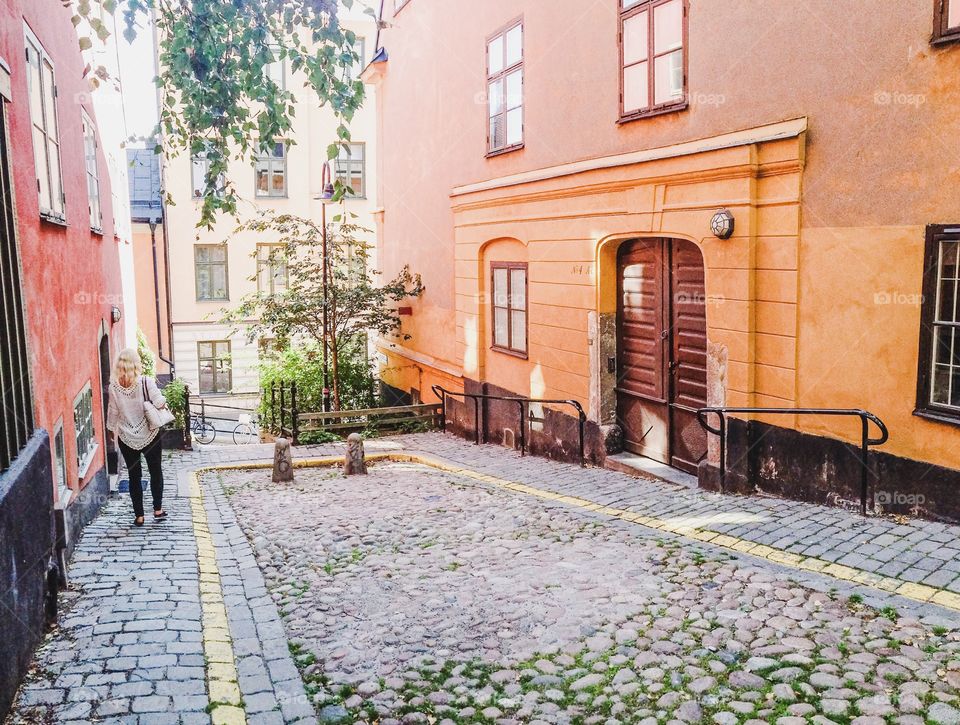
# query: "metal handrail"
{"type": "Point", "coordinates": [442, 393]}
{"type": "Point", "coordinates": [866, 441]}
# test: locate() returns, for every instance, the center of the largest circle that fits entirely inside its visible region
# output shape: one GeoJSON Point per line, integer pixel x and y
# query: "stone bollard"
{"type": "Point", "coordinates": [354, 463]}
{"type": "Point", "coordinates": [282, 461]}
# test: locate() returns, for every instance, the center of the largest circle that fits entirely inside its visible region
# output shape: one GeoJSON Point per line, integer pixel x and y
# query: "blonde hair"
{"type": "Point", "coordinates": [127, 367]}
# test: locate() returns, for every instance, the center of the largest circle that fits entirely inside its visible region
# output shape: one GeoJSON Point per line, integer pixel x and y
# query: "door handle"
{"type": "Point", "coordinates": [665, 334]}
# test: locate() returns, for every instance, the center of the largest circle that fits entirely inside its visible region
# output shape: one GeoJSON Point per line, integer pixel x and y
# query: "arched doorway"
{"type": "Point", "coordinates": [105, 367]}
{"type": "Point", "coordinates": [662, 346]}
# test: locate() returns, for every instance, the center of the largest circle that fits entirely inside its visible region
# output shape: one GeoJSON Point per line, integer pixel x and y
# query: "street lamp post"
{"type": "Point", "coordinates": [327, 195]}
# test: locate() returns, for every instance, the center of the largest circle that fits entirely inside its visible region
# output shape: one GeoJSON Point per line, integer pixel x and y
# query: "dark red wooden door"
{"type": "Point", "coordinates": [662, 337]}
{"type": "Point", "coordinates": [688, 360]}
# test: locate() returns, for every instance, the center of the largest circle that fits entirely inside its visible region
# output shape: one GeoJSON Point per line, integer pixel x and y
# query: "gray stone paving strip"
{"type": "Point", "coordinates": [270, 684]}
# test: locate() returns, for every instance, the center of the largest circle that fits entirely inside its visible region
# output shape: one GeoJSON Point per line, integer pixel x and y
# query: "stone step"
{"type": "Point", "coordinates": [634, 465]}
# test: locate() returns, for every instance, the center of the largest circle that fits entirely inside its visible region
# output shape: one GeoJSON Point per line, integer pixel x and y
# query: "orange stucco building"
{"type": "Point", "coordinates": [561, 183]}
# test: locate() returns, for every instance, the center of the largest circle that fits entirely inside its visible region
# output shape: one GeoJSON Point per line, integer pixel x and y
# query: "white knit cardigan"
{"type": "Point", "coordinates": [125, 415]}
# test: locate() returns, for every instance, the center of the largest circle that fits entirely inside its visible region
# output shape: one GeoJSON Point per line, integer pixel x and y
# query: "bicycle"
{"type": "Point", "coordinates": [246, 431]}
{"type": "Point", "coordinates": [203, 431]}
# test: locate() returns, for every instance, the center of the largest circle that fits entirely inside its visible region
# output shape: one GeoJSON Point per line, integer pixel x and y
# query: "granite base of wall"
{"type": "Point", "coordinates": [769, 459]}
{"type": "Point", "coordinates": [26, 553]}
{"type": "Point", "coordinates": [551, 433]}
{"type": "Point", "coordinates": [81, 511]}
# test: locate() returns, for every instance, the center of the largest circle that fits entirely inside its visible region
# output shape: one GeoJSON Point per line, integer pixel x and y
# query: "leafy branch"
{"type": "Point", "coordinates": [217, 98]}
{"type": "Point", "coordinates": [354, 304]}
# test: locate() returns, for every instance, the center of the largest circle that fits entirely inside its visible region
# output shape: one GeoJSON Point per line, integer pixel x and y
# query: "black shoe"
{"type": "Point", "coordinates": [159, 516]}
{"type": "Point", "coordinates": [138, 521]}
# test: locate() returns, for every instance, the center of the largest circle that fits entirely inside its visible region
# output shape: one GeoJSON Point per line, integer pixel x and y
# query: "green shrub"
{"type": "Point", "coordinates": [176, 394]}
{"type": "Point", "coordinates": [319, 436]}
{"type": "Point", "coordinates": [147, 360]}
{"type": "Point", "coordinates": [303, 365]}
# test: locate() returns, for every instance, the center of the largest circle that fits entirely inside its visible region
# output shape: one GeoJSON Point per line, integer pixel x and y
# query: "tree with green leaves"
{"type": "Point", "coordinates": [353, 303]}
{"type": "Point", "coordinates": [216, 98]}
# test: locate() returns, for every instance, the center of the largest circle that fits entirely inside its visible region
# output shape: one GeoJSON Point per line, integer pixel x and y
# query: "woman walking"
{"type": "Point", "coordinates": [126, 418]}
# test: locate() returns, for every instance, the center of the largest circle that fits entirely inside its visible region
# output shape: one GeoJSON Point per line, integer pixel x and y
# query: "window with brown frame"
{"type": "Point", "coordinates": [509, 306]}
{"type": "Point", "coordinates": [938, 379]}
{"type": "Point", "coordinates": [505, 89]}
{"type": "Point", "coordinates": [653, 47]}
{"type": "Point", "coordinates": [946, 20]}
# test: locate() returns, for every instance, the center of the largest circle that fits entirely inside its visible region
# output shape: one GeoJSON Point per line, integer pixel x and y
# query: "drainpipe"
{"type": "Point", "coordinates": [379, 20]}
{"type": "Point", "coordinates": [156, 292]}
{"type": "Point", "coordinates": [166, 282]}
{"type": "Point", "coordinates": [163, 209]}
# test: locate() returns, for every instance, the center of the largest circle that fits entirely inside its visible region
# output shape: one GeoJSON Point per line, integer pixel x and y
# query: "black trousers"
{"type": "Point", "coordinates": [131, 456]}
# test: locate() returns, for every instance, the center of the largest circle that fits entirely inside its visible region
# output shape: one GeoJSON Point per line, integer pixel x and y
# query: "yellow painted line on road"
{"type": "Point", "coordinates": [222, 686]}
{"type": "Point", "coordinates": [909, 590]}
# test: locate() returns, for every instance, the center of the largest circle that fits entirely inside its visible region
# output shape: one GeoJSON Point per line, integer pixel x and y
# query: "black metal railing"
{"type": "Point", "coordinates": [522, 408]}
{"type": "Point", "coordinates": [212, 411]}
{"type": "Point", "coordinates": [16, 397]}
{"type": "Point", "coordinates": [865, 440]}
{"type": "Point", "coordinates": [283, 415]}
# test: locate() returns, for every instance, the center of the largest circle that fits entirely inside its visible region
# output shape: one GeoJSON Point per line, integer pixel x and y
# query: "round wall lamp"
{"type": "Point", "coordinates": [722, 224]}
{"type": "Point", "coordinates": [115, 314]}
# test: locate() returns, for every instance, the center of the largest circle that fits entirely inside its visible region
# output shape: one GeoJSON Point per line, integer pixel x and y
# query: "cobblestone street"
{"type": "Point", "coordinates": [493, 588]}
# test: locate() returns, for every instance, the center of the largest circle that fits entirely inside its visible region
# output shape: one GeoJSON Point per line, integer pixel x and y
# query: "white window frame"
{"type": "Point", "coordinates": [271, 164]}
{"type": "Point", "coordinates": [49, 127]}
{"type": "Point", "coordinates": [216, 369]}
{"type": "Point", "coordinates": [347, 164]}
{"type": "Point", "coordinates": [277, 70]}
{"type": "Point", "coordinates": [199, 166]}
{"type": "Point", "coordinates": [501, 103]}
{"type": "Point", "coordinates": [84, 428]}
{"type": "Point", "coordinates": [90, 147]}
{"type": "Point", "coordinates": [212, 297]}
{"type": "Point", "coordinates": [353, 72]}
{"type": "Point", "coordinates": [268, 272]}
{"type": "Point", "coordinates": [60, 465]}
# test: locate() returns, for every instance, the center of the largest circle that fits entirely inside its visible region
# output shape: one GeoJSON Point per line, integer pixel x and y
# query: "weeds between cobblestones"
{"type": "Point", "coordinates": [414, 596]}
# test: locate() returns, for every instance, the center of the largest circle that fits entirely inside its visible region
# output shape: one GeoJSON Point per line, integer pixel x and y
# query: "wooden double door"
{"type": "Point", "coordinates": [662, 346]}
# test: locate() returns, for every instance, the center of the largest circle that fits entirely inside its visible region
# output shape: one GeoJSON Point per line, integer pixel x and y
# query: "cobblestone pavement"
{"type": "Point", "coordinates": [129, 646]}
{"type": "Point", "coordinates": [162, 621]}
{"type": "Point", "coordinates": [419, 595]}
{"type": "Point", "coordinates": [920, 559]}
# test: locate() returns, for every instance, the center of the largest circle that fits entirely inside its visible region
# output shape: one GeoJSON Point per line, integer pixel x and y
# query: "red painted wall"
{"type": "Point", "coordinates": [71, 276]}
